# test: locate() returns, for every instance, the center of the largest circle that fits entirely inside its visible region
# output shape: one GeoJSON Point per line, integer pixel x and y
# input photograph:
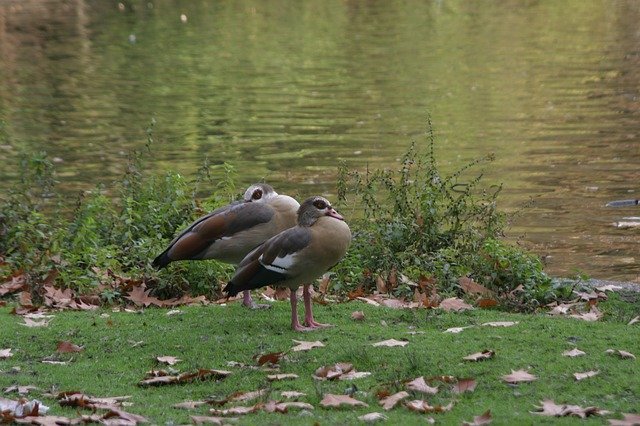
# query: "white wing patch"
{"type": "Point", "coordinates": [280, 264]}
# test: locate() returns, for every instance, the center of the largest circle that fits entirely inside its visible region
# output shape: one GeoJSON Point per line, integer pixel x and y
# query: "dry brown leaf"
{"type": "Point", "coordinates": [306, 346]}
{"type": "Point", "coordinates": [519, 376]}
{"type": "Point", "coordinates": [621, 354]}
{"type": "Point", "coordinates": [189, 405]}
{"type": "Point", "coordinates": [78, 399]}
{"type": "Point", "coordinates": [54, 362]}
{"type": "Point", "coordinates": [586, 375]}
{"type": "Point", "coordinates": [628, 420]}
{"type": "Point", "coordinates": [562, 309]}
{"type": "Point", "coordinates": [480, 356]}
{"type": "Point", "coordinates": [372, 417]}
{"type": "Point", "coordinates": [169, 360]}
{"type": "Point", "coordinates": [65, 346]}
{"type": "Point", "coordinates": [246, 396]}
{"type": "Point", "coordinates": [198, 420]}
{"type": "Point", "coordinates": [235, 411]}
{"type": "Point", "coordinates": [634, 321]}
{"type": "Point", "coordinates": [421, 406]}
{"type": "Point", "coordinates": [357, 315]}
{"type": "Point", "coordinates": [500, 323]}
{"type": "Point", "coordinates": [17, 283]}
{"type": "Point", "coordinates": [391, 343]}
{"type": "Point", "coordinates": [340, 370]}
{"type": "Point", "coordinates": [331, 400]}
{"type": "Point", "coordinates": [272, 358]}
{"type": "Point", "coordinates": [381, 285]}
{"type": "Point", "coordinates": [292, 394]}
{"type": "Point", "coordinates": [453, 304]}
{"type": "Point", "coordinates": [325, 282]}
{"type": "Point", "coordinates": [481, 420]}
{"type": "Point", "coordinates": [392, 400]}
{"type": "Point", "coordinates": [609, 287]}
{"type": "Point", "coordinates": [419, 385]}
{"type": "Point", "coordinates": [573, 353]}
{"type": "Point", "coordinates": [368, 301]}
{"type": "Point", "coordinates": [593, 315]}
{"type": "Point", "coordinates": [285, 376]}
{"type": "Point", "coordinates": [456, 330]}
{"type": "Point", "coordinates": [202, 374]}
{"type": "Point", "coordinates": [464, 385]}
{"type": "Point", "coordinates": [486, 303]}
{"type": "Point", "coordinates": [283, 407]}
{"type": "Point", "coordinates": [469, 286]}
{"type": "Point", "coordinates": [21, 390]}
{"type": "Point", "coordinates": [550, 408]}
{"type": "Point", "coordinates": [353, 374]}
{"type": "Point", "coordinates": [5, 353]}
{"type": "Point", "coordinates": [28, 322]}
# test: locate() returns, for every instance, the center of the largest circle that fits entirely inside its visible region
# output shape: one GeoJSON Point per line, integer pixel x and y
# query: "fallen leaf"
{"type": "Point", "coordinates": [357, 315]}
{"type": "Point", "coordinates": [593, 315]}
{"type": "Point", "coordinates": [621, 354]}
{"type": "Point", "coordinates": [331, 400]}
{"type": "Point", "coordinates": [306, 346]}
{"type": "Point", "coordinates": [5, 353]}
{"type": "Point", "coordinates": [481, 420]}
{"type": "Point", "coordinates": [323, 287]}
{"type": "Point", "coordinates": [454, 304]}
{"type": "Point", "coordinates": [286, 376]}
{"type": "Point", "coordinates": [28, 322]}
{"type": "Point", "coordinates": [340, 370]}
{"type": "Point", "coordinates": [456, 330]}
{"type": "Point", "coordinates": [239, 410]}
{"type": "Point", "coordinates": [419, 385]}
{"type": "Point", "coordinates": [469, 286]}
{"type": "Point", "coordinates": [582, 376]}
{"type": "Point", "coordinates": [174, 312]}
{"type": "Point", "coordinates": [202, 374]}
{"type": "Point", "coordinates": [609, 287]}
{"type": "Point", "coordinates": [246, 396]}
{"type": "Point", "coordinates": [16, 284]}
{"type": "Point", "coordinates": [283, 407]}
{"type": "Point", "coordinates": [169, 360]}
{"type": "Point", "coordinates": [198, 420]}
{"type": "Point", "coordinates": [78, 399]}
{"type": "Point", "coordinates": [65, 346]}
{"type": "Point", "coordinates": [54, 362]}
{"type": "Point", "coordinates": [392, 400]}
{"type": "Point", "coordinates": [292, 394]}
{"type": "Point", "coordinates": [486, 303]}
{"type": "Point", "coordinates": [550, 408]}
{"type": "Point", "coordinates": [464, 385]}
{"type": "Point", "coordinates": [628, 420]}
{"type": "Point", "coordinates": [562, 309]}
{"type": "Point", "coordinates": [381, 285]}
{"type": "Point", "coordinates": [519, 376]}
{"type": "Point", "coordinates": [372, 417]}
{"type": "Point", "coordinates": [634, 320]}
{"type": "Point", "coordinates": [479, 356]}
{"type": "Point", "coordinates": [353, 374]}
{"type": "Point", "coordinates": [21, 408]}
{"type": "Point", "coordinates": [500, 323]}
{"type": "Point", "coordinates": [21, 390]}
{"type": "Point", "coordinates": [573, 353]}
{"type": "Point", "coordinates": [271, 358]}
{"type": "Point", "coordinates": [421, 406]}
{"type": "Point", "coordinates": [189, 405]}
{"type": "Point", "coordinates": [368, 301]}
{"type": "Point", "coordinates": [391, 343]}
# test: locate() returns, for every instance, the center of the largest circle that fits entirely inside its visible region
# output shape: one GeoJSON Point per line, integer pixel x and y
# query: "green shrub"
{"type": "Point", "coordinates": [418, 222]}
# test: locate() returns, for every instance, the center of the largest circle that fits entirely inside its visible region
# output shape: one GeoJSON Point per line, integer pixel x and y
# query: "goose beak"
{"type": "Point", "coordinates": [334, 213]}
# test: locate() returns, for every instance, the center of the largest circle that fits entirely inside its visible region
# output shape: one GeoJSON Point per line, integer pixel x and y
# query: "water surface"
{"type": "Point", "coordinates": [284, 90]}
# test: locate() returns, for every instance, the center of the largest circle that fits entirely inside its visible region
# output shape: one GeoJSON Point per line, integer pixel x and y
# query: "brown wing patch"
{"type": "Point", "coordinates": [189, 246]}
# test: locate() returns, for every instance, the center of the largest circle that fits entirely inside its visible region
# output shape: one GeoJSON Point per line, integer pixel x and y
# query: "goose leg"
{"type": "Point", "coordinates": [308, 309]}
{"type": "Point", "coordinates": [248, 302]}
{"type": "Point", "coordinates": [295, 323]}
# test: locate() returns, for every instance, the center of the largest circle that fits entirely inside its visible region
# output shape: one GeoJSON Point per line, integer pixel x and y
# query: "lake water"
{"type": "Point", "coordinates": [284, 90]}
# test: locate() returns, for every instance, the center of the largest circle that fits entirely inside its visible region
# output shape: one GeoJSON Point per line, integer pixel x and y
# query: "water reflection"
{"type": "Point", "coordinates": [284, 90]}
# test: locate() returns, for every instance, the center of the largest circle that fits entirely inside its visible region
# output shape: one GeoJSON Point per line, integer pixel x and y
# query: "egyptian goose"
{"type": "Point", "coordinates": [296, 256]}
{"type": "Point", "coordinates": [228, 233]}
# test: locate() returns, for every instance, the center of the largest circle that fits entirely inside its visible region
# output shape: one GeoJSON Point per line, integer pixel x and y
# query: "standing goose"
{"type": "Point", "coordinates": [228, 233]}
{"type": "Point", "coordinates": [296, 256]}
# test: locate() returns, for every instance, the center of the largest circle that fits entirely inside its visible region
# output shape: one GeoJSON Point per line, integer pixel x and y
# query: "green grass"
{"type": "Point", "coordinates": [210, 336]}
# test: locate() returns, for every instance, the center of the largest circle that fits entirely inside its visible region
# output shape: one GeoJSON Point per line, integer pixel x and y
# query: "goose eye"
{"type": "Point", "coordinates": [319, 204]}
{"type": "Point", "coordinates": [257, 194]}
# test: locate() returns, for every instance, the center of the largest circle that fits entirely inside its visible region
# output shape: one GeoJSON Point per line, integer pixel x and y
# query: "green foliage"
{"type": "Point", "coordinates": [116, 230]}
{"type": "Point", "coordinates": [419, 222]}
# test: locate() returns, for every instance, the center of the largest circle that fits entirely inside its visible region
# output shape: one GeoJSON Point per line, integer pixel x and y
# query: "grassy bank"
{"type": "Point", "coordinates": [119, 347]}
